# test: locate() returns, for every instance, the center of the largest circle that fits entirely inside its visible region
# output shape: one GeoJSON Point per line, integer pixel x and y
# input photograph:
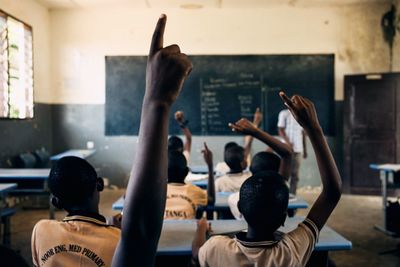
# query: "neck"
{"type": "Point", "coordinates": [261, 234]}
{"type": "Point", "coordinates": [90, 208]}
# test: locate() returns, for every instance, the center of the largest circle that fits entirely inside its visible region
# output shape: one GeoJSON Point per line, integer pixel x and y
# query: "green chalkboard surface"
{"type": "Point", "coordinates": [222, 89]}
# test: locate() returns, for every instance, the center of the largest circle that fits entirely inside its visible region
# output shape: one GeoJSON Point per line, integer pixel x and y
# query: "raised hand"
{"type": "Point", "coordinates": [167, 68]}
{"type": "Point", "coordinates": [302, 109]}
{"type": "Point", "coordinates": [243, 126]}
{"type": "Point", "coordinates": [257, 117]}
{"type": "Point", "coordinates": [207, 154]}
{"type": "Point", "coordinates": [179, 116]}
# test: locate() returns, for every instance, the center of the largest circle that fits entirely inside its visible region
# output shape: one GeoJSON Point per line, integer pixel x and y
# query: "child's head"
{"type": "Point", "coordinates": [177, 167]}
{"type": "Point", "coordinates": [263, 201]}
{"type": "Point", "coordinates": [265, 161]}
{"type": "Point", "coordinates": [230, 144]}
{"type": "Point", "coordinates": [74, 183]}
{"type": "Point", "coordinates": [175, 144]}
{"type": "Point", "coordinates": [234, 158]}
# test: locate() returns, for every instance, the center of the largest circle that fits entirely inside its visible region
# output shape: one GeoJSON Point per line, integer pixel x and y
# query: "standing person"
{"type": "Point", "coordinates": [292, 133]}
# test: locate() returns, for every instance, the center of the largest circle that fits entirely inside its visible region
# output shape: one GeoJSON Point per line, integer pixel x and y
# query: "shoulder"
{"type": "Point", "coordinates": [45, 224]}
{"type": "Point", "coordinates": [306, 231]}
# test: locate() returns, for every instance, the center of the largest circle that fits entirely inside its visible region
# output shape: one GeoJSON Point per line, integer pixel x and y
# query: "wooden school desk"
{"type": "Point", "coordinates": [6, 213]}
{"type": "Point", "coordinates": [221, 204]}
{"type": "Point", "coordinates": [177, 236]}
{"type": "Point", "coordinates": [80, 153]}
{"type": "Point", "coordinates": [29, 181]}
{"type": "Point", "coordinates": [387, 179]}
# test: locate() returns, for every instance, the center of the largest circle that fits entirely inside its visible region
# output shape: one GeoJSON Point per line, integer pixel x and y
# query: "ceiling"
{"type": "Point", "coordinates": [196, 4]}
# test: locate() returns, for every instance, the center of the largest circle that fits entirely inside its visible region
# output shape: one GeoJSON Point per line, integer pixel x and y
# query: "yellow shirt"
{"type": "Point", "coordinates": [77, 241]}
{"type": "Point", "coordinates": [182, 201]}
{"type": "Point", "coordinates": [292, 250]}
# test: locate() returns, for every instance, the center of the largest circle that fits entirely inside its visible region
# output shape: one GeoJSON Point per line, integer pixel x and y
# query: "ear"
{"type": "Point", "coordinates": [186, 171]}
{"type": "Point", "coordinates": [56, 202]}
{"type": "Point", "coordinates": [283, 219]}
{"type": "Point", "coordinates": [100, 184]}
{"type": "Point", "coordinates": [238, 206]}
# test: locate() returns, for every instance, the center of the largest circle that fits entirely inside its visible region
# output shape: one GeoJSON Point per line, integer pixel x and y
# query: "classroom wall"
{"type": "Point", "coordinates": [82, 38]}
{"type": "Point", "coordinates": [396, 48]}
{"type": "Point", "coordinates": [19, 136]}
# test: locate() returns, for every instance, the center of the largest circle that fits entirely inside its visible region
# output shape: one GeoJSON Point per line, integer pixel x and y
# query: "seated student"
{"type": "Point", "coordinates": [167, 69]}
{"type": "Point", "coordinates": [263, 203]}
{"type": "Point", "coordinates": [231, 182]}
{"type": "Point", "coordinates": [183, 199]}
{"type": "Point", "coordinates": [222, 167]}
{"type": "Point", "coordinates": [175, 143]}
{"type": "Point", "coordinates": [262, 161]}
{"type": "Point", "coordinates": [83, 237]}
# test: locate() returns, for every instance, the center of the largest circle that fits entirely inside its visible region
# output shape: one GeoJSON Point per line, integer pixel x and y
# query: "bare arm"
{"type": "Point", "coordinates": [304, 144]}
{"type": "Point", "coordinates": [282, 133]}
{"type": "Point", "coordinates": [179, 117]}
{"type": "Point", "coordinates": [145, 197]}
{"type": "Point", "coordinates": [304, 112]}
{"type": "Point", "coordinates": [200, 238]}
{"type": "Point", "coordinates": [208, 158]}
{"type": "Point", "coordinates": [248, 139]}
{"type": "Point", "coordinates": [283, 149]}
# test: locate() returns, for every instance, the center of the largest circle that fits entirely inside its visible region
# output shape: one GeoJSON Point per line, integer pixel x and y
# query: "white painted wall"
{"type": "Point", "coordinates": [81, 38]}
{"type": "Point", "coordinates": [30, 12]}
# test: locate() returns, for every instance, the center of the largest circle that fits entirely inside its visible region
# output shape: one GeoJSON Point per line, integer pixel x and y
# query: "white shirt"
{"type": "Point", "coordinates": [231, 182]}
{"type": "Point", "coordinates": [293, 130]}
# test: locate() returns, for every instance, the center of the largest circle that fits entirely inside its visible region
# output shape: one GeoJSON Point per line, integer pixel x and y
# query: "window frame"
{"type": "Point", "coordinates": [30, 28]}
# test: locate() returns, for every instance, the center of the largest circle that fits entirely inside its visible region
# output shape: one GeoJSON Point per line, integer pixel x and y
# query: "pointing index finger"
{"type": "Point", "coordinates": [158, 36]}
{"type": "Point", "coordinates": [286, 99]}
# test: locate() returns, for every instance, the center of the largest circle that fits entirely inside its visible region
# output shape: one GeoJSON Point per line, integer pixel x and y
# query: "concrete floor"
{"type": "Point", "coordinates": [354, 218]}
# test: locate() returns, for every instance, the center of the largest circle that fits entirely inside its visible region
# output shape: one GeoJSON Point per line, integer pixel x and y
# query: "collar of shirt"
{"type": "Point", "coordinates": [85, 216]}
{"type": "Point", "coordinates": [241, 238]}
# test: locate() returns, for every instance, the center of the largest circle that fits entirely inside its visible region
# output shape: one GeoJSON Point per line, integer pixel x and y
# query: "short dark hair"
{"type": "Point", "coordinates": [175, 143]}
{"type": "Point", "coordinates": [264, 199]}
{"type": "Point", "coordinates": [72, 180]}
{"type": "Point", "coordinates": [177, 167]}
{"type": "Point", "coordinates": [265, 161]}
{"type": "Point", "coordinates": [230, 144]}
{"type": "Point", "coordinates": [233, 157]}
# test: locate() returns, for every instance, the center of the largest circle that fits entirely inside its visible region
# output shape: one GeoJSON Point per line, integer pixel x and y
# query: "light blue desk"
{"type": "Point", "coordinates": [6, 213]}
{"type": "Point", "coordinates": [29, 181]}
{"type": "Point", "coordinates": [80, 153]}
{"type": "Point", "coordinates": [387, 177]}
{"type": "Point", "coordinates": [221, 203]}
{"type": "Point", "coordinates": [177, 235]}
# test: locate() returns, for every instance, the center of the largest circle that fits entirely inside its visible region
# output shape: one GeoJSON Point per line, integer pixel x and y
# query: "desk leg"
{"type": "Point", "coordinates": [384, 176]}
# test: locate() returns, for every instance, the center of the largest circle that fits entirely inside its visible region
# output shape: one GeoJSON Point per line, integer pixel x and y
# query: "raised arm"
{"type": "Point", "coordinates": [203, 227]}
{"type": "Point", "coordinates": [183, 124]}
{"type": "Point", "coordinates": [144, 205]}
{"type": "Point", "coordinates": [248, 139]}
{"type": "Point", "coordinates": [283, 149]}
{"type": "Point", "coordinates": [208, 158]}
{"type": "Point", "coordinates": [304, 112]}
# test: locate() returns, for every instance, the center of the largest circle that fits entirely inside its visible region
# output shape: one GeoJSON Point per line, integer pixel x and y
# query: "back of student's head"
{"type": "Point", "coordinates": [72, 180]}
{"type": "Point", "coordinates": [175, 144]}
{"type": "Point", "coordinates": [265, 161]}
{"type": "Point", "coordinates": [177, 167]}
{"type": "Point", "coordinates": [230, 144]}
{"type": "Point", "coordinates": [234, 158]}
{"type": "Point", "coordinates": [264, 199]}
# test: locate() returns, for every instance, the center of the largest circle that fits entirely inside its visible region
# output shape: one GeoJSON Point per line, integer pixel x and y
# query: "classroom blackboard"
{"type": "Point", "coordinates": [222, 89]}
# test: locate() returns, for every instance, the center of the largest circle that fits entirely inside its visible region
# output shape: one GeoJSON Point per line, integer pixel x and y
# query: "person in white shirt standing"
{"type": "Point", "coordinates": [292, 133]}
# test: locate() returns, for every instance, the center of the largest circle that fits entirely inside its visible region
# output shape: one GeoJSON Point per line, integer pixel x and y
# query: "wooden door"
{"type": "Point", "coordinates": [370, 125]}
